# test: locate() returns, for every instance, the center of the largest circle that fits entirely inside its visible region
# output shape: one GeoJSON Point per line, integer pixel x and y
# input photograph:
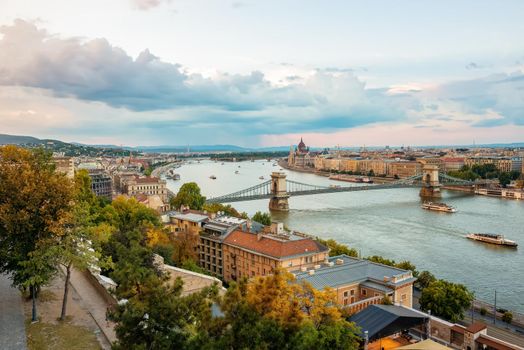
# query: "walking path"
{"type": "Point", "coordinates": [12, 326]}
{"type": "Point", "coordinates": [94, 302]}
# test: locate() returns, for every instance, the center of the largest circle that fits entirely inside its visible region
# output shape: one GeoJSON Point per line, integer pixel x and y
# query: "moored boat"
{"type": "Point", "coordinates": [213, 177]}
{"type": "Point", "coordinates": [492, 239]}
{"type": "Point", "coordinates": [438, 207]}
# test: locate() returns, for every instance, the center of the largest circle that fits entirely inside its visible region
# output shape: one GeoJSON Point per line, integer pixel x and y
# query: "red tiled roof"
{"type": "Point", "coordinates": [274, 247]}
{"type": "Point", "coordinates": [476, 327]}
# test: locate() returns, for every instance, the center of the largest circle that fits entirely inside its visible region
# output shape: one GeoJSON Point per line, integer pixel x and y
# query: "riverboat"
{"type": "Point", "coordinates": [492, 239]}
{"type": "Point", "coordinates": [261, 178]}
{"type": "Point", "coordinates": [213, 177]}
{"type": "Point", "coordinates": [438, 207]}
{"type": "Point", "coordinates": [236, 171]}
{"type": "Point", "coordinates": [176, 176]}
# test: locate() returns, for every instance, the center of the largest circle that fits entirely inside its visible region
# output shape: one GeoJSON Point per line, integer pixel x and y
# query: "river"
{"type": "Point", "coordinates": [392, 224]}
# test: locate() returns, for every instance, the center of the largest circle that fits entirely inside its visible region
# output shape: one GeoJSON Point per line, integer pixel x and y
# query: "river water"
{"type": "Point", "coordinates": [392, 224]}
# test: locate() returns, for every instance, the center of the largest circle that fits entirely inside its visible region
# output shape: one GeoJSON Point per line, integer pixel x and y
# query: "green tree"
{"type": "Point", "coordinates": [507, 317]}
{"type": "Point", "coordinates": [189, 196]}
{"type": "Point", "coordinates": [504, 179]}
{"type": "Point", "coordinates": [34, 207]}
{"type": "Point", "coordinates": [425, 278]}
{"type": "Point", "coordinates": [446, 299]}
{"type": "Point", "coordinates": [337, 248]}
{"type": "Point", "coordinates": [227, 209]}
{"type": "Point", "coordinates": [262, 218]}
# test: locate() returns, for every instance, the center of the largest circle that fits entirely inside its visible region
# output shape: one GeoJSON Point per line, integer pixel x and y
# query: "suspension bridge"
{"type": "Point", "coordinates": [279, 189]}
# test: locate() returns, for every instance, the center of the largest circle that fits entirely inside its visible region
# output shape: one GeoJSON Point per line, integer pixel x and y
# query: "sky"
{"type": "Point", "coordinates": [263, 73]}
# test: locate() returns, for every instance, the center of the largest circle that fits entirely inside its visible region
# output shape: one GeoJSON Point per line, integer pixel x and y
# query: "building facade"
{"type": "Point", "coordinates": [101, 184]}
{"type": "Point", "coordinates": [248, 255]}
{"type": "Point", "coordinates": [359, 283]}
{"type": "Point", "coordinates": [300, 157]}
{"type": "Point", "coordinates": [145, 185]}
{"type": "Point", "coordinates": [404, 169]}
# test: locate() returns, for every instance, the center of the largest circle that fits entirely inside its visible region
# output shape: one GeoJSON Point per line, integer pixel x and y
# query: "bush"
{"type": "Point", "coordinates": [483, 311]}
{"type": "Point", "coordinates": [507, 317]}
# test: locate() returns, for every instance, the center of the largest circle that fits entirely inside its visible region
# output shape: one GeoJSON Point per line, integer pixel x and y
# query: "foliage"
{"type": "Point", "coordinates": [191, 265]}
{"type": "Point", "coordinates": [34, 207]}
{"type": "Point", "coordinates": [337, 248]}
{"type": "Point", "coordinates": [227, 209]}
{"type": "Point", "coordinates": [126, 214]}
{"type": "Point", "coordinates": [158, 317]}
{"type": "Point", "coordinates": [446, 299]}
{"type": "Point", "coordinates": [262, 218]}
{"type": "Point", "coordinates": [424, 279]}
{"type": "Point", "coordinates": [387, 300]}
{"type": "Point", "coordinates": [65, 336]}
{"type": "Point", "coordinates": [483, 311]}
{"type": "Point", "coordinates": [189, 196]}
{"type": "Point", "coordinates": [275, 312]}
{"type": "Point", "coordinates": [507, 317]}
{"type": "Point", "coordinates": [485, 171]}
{"type": "Point", "coordinates": [405, 265]}
{"type": "Point", "coordinates": [148, 171]}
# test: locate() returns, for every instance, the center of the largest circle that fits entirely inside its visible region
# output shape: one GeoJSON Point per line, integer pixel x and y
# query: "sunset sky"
{"type": "Point", "coordinates": [263, 73]}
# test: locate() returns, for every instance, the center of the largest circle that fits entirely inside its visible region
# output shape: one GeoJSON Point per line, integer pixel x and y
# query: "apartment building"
{"type": "Point", "coordinates": [65, 165]}
{"type": "Point", "coordinates": [359, 283]}
{"type": "Point", "coordinates": [101, 184]}
{"type": "Point", "coordinates": [501, 163]}
{"type": "Point", "coordinates": [147, 185]}
{"type": "Point", "coordinates": [247, 254]}
{"type": "Point", "coordinates": [452, 163]}
{"type": "Point", "coordinates": [403, 169]}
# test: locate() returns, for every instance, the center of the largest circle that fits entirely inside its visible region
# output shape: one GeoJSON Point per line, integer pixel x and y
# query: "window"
{"type": "Point", "coordinates": [364, 292]}
{"type": "Point", "coordinates": [404, 297]}
{"type": "Point", "coordinates": [352, 300]}
{"type": "Point", "coordinates": [352, 292]}
{"type": "Point", "coordinates": [376, 294]}
{"type": "Point", "coordinates": [345, 301]}
{"type": "Point", "coordinates": [345, 294]}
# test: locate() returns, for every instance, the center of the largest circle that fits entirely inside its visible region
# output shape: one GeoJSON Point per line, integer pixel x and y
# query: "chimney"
{"type": "Point", "coordinates": [259, 236]}
{"type": "Point", "coordinates": [339, 261]}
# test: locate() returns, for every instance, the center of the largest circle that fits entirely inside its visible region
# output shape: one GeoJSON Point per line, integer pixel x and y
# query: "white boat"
{"type": "Point", "coordinates": [236, 171]}
{"type": "Point", "coordinates": [492, 239]}
{"type": "Point", "coordinates": [261, 178]}
{"type": "Point", "coordinates": [438, 207]}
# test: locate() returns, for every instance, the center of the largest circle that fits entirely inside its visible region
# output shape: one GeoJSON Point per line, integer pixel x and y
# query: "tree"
{"type": "Point", "coordinates": [337, 248]}
{"type": "Point", "coordinates": [262, 218]}
{"type": "Point", "coordinates": [277, 312]}
{"type": "Point", "coordinates": [446, 299]}
{"type": "Point", "coordinates": [425, 278]}
{"type": "Point", "coordinates": [189, 196]}
{"type": "Point", "coordinates": [227, 209]}
{"type": "Point", "coordinates": [507, 317]}
{"type": "Point", "coordinates": [504, 179]}
{"type": "Point", "coordinates": [405, 265]}
{"type": "Point", "coordinates": [34, 207]}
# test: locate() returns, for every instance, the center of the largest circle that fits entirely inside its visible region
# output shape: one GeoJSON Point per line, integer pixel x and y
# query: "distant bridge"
{"type": "Point", "coordinates": [278, 189]}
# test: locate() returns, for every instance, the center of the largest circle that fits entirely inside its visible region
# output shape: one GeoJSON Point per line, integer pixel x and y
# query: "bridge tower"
{"type": "Point", "coordinates": [431, 184]}
{"type": "Point", "coordinates": [278, 201]}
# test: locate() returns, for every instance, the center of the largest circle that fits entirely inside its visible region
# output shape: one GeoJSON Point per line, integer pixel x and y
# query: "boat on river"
{"type": "Point", "coordinates": [213, 177]}
{"type": "Point", "coordinates": [438, 207]}
{"type": "Point", "coordinates": [236, 171]}
{"type": "Point", "coordinates": [492, 239]}
{"type": "Point", "coordinates": [261, 178]}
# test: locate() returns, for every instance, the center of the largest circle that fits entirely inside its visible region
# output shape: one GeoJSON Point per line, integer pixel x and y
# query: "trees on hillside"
{"type": "Point", "coordinates": [337, 248]}
{"type": "Point", "coordinates": [34, 207]}
{"type": "Point", "coordinates": [189, 195]}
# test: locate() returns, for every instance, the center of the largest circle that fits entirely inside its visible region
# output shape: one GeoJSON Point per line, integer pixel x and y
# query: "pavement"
{"type": "Point", "coordinates": [94, 303]}
{"type": "Point", "coordinates": [12, 319]}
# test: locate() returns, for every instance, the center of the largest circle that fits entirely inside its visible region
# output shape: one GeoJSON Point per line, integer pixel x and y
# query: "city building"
{"type": "Point", "coordinates": [101, 184]}
{"type": "Point", "coordinates": [211, 239]}
{"type": "Point", "coordinates": [147, 185]}
{"type": "Point", "coordinates": [452, 163]}
{"type": "Point", "coordinates": [189, 221]}
{"type": "Point", "coordinates": [65, 165]}
{"type": "Point", "coordinates": [403, 169]}
{"type": "Point", "coordinates": [359, 283]}
{"type": "Point", "coordinates": [247, 254]}
{"type": "Point", "coordinates": [501, 163]}
{"type": "Point", "coordinates": [300, 156]}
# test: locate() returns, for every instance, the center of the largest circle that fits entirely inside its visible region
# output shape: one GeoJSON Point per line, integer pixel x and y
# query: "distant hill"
{"type": "Point", "coordinates": [19, 140]}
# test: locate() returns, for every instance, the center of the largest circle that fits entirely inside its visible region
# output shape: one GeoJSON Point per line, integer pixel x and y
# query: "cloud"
{"type": "Point", "coordinates": [146, 5]}
{"type": "Point", "coordinates": [94, 70]}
